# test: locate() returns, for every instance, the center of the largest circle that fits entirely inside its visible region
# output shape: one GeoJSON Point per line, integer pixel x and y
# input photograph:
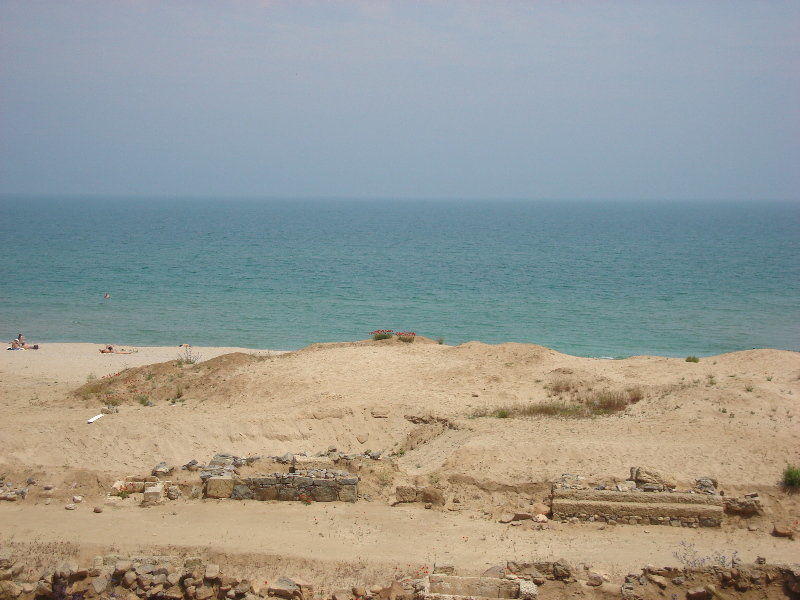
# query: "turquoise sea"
{"type": "Point", "coordinates": [587, 278]}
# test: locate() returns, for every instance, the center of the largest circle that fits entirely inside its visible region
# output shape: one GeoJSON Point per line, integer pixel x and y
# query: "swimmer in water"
{"type": "Point", "coordinates": [106, 296]}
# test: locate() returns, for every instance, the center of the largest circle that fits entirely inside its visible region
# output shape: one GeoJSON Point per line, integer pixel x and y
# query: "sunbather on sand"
{"type": "Point", "coordinates": [111, 350]}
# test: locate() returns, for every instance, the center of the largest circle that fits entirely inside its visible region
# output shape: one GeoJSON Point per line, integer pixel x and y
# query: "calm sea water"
{"type": "Point", "coordinates": [587, 278]}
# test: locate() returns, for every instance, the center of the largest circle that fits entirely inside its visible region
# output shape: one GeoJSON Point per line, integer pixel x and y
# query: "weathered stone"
{"type": "Point", "coordinates": [71, 506]}
{"type": "Point", "coordinates": [204, 592]}
{"type": "Point", "coordinates": [432, 495]}
{"type": "Point", "coordinates": [153, 493]}
{"type": "Point", "coordinates": [325, 494]}
{"type": "Point", "coordinates": [594, 580]}
{"type": "Point", "coordinates": [782, 530]}
{"type": "Point", "coordinates": [129, 579]}
{"type": "Point", "coordinates": [173, 492]}
{"type": "Point", "coordinates": [219, 487]}
{"type": "Point", "coordinates": [77, 499]}
{"type": "Point", "coordinates": [99, 584]}
{"type": "Point", "coordinates": [348, 493]}
{"type": "Point", "coordinates": [284, 588]}
{"type": "Point", "coordinates": [562, 570]}
{"type": "Point", "coordinates": [405, 493]}
{"type": "Point", "coordinates": [746, 507]}
{"type": "Point", "coordinates": [658, 580]}
{"type": "Point", "coordinates": [527, 589]}
{"type": "Point", "coordinates": [267, 493]}
{"type": "Point", "coordinates": [212, 571]}
{"type": "Point", "coordinates": [162, 469]}
{"type": "Point", "coordinates": [698, 593]}
{"type": "Point", "coordinates": [489, 587]}
{"type": "Point", "coordinates": [645, 475]}
{"type": "Point", "coordinates": [242, 492]}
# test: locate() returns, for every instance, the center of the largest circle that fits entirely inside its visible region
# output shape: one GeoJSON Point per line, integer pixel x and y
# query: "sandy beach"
{"type": "Point", "coordinates": [431, 409]}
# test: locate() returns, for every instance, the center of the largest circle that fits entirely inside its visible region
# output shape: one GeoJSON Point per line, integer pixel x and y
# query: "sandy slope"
{"type": "Point", "coordinates": [733, 417]}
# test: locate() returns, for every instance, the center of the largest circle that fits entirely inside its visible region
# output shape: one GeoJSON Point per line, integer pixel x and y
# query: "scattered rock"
{"type": "Point", "coordinates": [71, 506]}
{"type": "Point", "coordinates": [97, 509]}
{"type": "Point", "coordinates": [645, 476]}
{"type": "Point", "coordinates": [782, 530]}
{"type": "Point", "coordinates": [162, 469]}
{"type": "Point", "coordinates": [77, 499]}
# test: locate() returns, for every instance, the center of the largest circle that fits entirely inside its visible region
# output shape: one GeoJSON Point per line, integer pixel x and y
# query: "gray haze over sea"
{"type": "Point", "coordinates": [614, 278]}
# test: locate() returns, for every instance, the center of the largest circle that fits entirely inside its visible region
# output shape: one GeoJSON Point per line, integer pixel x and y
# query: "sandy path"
{"type": "Point", "coordinates": [374, 533]}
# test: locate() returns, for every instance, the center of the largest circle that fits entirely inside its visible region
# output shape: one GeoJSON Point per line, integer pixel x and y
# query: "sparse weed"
{"type": "Point", "coordinates": [188, 356]}
{"type": "Point", "coordinates": [91, 377]}
{"type": "Point", "coordinates": [748, 388]}
{"type": "Point", "coordinates": [791, 477]}
{"type": "Point", "coordinates": [688, 555]}
{"type": "Point", "coordinates": [561, 385]}
{"type": "Point", "coordinates": [440, 340]}
{"type": "Point", "coordinates": [693, 359]}
{"type": "Point", "coordinates": [143, 400]}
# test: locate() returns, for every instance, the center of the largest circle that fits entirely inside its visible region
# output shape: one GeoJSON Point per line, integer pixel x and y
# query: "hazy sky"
{"type": "Point", "coordinates": [492, 99]}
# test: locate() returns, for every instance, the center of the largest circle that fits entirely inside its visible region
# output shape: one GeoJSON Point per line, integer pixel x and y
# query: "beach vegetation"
{"type": "Point", "coordinates": [440, 340]}
{"type": "Point", "coordinates": [149, 376]}
{"type": "Point", "coordinates": [791, 477]}
{"type": "Point", "coordinates": [562, 385]}
{"type": "Point", "coordinates": [693, 359]}
{"type": "Point", "coordinates": [769, 377]}
{"type": "Point", "coordinates": [187, 356]}
{"type": "Point", "coordinates": [381, 334]}
{"type": "Point", "coordinates": [603, 402]}
{"type": "Point", "coordinates": [143, 400]}
{"type": "Point", "coordinates": [91, 377]}
{"type": "Point", "coordinates": [748, 388]}
{"type": "Point", "coordinates": [113, 400]}
{"type": "Point", "coordinates": [406, 336]}
{"type": "Point", "coordinates": [711, 379]}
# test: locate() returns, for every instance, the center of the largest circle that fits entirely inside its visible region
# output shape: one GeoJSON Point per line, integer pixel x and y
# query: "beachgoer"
{"type": "Point", "coordinates": [111, 350]}
{"type": "Point", "coordinates": [15, 345]}
{"type": "Point", "coordinates": [106, 296]}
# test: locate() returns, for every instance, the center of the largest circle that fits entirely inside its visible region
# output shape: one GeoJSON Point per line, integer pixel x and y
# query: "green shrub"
{"type": "Point", "coordinates": [791, 477]}
{"type": "Point", "coordinates": [692, 359]}
{"type": "Point", "coordinates": [381, 336]}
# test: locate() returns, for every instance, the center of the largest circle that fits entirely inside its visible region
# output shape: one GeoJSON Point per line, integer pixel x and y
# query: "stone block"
{"type": "Point", "coordinates": [325, 493]}
{"type": "Point", "coordinates": [348, 493]}
{"type": "Point", "coordinates": [267, 493]}
{"type": "Point", "coordinates": [287, 493]}
{"type": "Point", "coordinates": [219, 487]}
{"type": "Point", "coordinates": [153, 493]}
{"type": "Point", "coordinates": [242, 492]}
{"type": "Point", "coordinates": [405, 493]}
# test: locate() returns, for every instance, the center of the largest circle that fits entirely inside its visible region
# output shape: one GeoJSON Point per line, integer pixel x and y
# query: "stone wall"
{"type": "Point", "coordinates": [312, 485]}
{"type": "Point", "coordinates": [638, 508]}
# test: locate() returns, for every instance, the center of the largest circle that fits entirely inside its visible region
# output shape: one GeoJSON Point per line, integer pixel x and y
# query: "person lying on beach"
{"type": "Point", "coordinates": [112, 350]}
{"type": "Point", "coordinates": [17, 345]}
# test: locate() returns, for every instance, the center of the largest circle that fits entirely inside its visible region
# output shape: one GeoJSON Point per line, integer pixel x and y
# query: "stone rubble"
{"type": "Point", "coordinates": [173, 578]}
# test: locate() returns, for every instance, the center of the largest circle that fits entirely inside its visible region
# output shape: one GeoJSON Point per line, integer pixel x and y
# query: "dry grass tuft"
{"type": "Point", "coordinates": [599, 403]}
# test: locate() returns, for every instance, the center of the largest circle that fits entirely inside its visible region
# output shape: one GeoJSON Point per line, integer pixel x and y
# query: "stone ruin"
{"type": "Point", "coordinates": [317, 485]}
{"type": "Point", "coordinates": [221, 478]}
{"type": "Point", "coordinates": [648, 497]}
{"type": "Point", "coordinates": [175, 578]}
